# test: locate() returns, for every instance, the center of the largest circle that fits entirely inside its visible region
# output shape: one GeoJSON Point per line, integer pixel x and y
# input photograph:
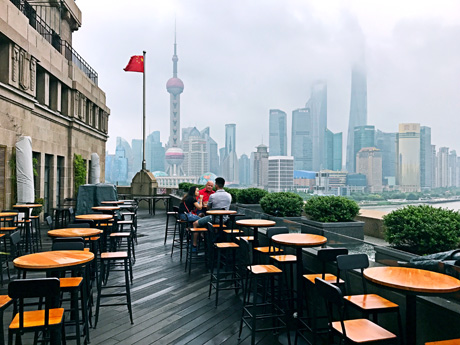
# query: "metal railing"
{"type": "Point", "coordinates": [54, 39]}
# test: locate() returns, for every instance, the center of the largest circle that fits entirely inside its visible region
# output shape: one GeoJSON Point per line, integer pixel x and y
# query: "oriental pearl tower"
{"type": "Point", "coordinates": [174, 154]}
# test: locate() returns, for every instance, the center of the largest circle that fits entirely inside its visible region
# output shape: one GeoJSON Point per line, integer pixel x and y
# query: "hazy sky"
{"type": "Point", "coordinates": [238, 59]}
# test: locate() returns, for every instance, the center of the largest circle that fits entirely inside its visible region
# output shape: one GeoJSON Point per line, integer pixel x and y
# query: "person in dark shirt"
{"type": "Point", "coordinates": [188, 208]}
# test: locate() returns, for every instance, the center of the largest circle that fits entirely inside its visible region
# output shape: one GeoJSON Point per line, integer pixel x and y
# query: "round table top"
{"type": "Point", "coordinates": [53, 259]}
{"type": "Point", "coordinates": [8, 214]}
{"type": "Point", "coordinates": [115, 202]}
{"type": "Point", "coordinates": [220, 212]}
{"type": "Point", "coordinates": [95, 216]}
{"type": "Point", "coordinates": [412, 279]}
{"type": "Point", "coordinates": [27, 205]}
{"type": "Point", "coordinates": [255, 222]}
{"type": "Point", "coordinates": [300, 240]}
{"type": "Point", "coordinates": [105, 208]}
{"type": "Point", "coordinates": [74, 232]}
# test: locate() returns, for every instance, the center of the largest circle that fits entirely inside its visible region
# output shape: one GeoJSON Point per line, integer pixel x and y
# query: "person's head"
{"type": "Point", "coordinates": [220, 182]}
{"type": "Point", "coordinates": [209, 186]}
{"type": "Point", "coordinates": [192, 191]}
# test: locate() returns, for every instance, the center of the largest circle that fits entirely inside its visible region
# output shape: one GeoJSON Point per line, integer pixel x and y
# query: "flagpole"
{"type": "Point", "coordinates": [143, 124]}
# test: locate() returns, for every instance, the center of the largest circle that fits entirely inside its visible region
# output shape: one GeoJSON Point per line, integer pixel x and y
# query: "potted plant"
{"type": "Point", "coordinates": [282, 205]}
{"type": "Point", "coordinates": [249, 198]}
{"type": "Point", "coordinates": [334, 214]}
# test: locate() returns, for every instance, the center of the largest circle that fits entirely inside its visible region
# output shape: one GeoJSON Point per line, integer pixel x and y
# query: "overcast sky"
{"type": "Point", "coordinates": [238, 59]}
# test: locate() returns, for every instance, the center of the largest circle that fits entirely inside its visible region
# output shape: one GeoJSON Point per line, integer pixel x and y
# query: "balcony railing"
{"type": "Point", "coordinates": [54, 39]}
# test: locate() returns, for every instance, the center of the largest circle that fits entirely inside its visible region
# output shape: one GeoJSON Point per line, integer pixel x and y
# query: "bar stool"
{"type": "Point", "coordinates": [179, 232]}
{"type": "Point", "coordinates": [198, 254]}
{"type": "Point", "coordinates": [169, 231]}
{"type": "Point", "coordinates": [106, 259]}
{"type": "Point", "coordinates": [5, 302]}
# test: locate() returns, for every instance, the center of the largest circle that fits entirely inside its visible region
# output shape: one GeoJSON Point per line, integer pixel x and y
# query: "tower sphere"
{"type": "Point", "coordinates": [175, 86]}
{"type": "Point", "coordinates": [174, 155]}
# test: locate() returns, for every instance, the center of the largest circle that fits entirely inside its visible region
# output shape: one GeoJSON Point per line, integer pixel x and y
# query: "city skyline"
{"type": "Point", "coordinates": [411, 59]}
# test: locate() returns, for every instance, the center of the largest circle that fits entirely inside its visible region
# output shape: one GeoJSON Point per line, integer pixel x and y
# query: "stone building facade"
{"type": "Point", "coordinates": [50, 93]}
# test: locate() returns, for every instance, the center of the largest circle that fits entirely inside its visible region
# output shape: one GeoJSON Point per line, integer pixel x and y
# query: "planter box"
{"type": "Point", "coordinates": [254, 207]}
{"type": "Point", "coordinates": [389, 256]}
{"type": "Point", "coordinates": [350, 229]}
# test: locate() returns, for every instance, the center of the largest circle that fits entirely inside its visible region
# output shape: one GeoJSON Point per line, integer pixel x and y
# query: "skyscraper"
{"type": "Point", "coordinates": [174, 154]}
{"type": "Point", "coordinates": [280, 173]}
{"type": "Point", "coordinates": [333, 151]}
{"type": "Point", "coordinates": [426, 160]}
{"type": "Point", "coordinates": [301, 139]}
{"type": "Point", "coordinates": [443, 167]}
{"type": "Point", "coordinates": [155, 152]}
{"type": "Point", "coordinates": [196, 160]}
{"type": "Point", "coordinates": [408, 151]}
{"type": "Point", "coordinates": [369, 163]}
{"type": "Point", "coordinates": [317, 104]}
{"type": "Point", "coordinates": [230, 161]}
{"type": "Point", "coordinates": [386, 143]}
{"type": "Point", "coordinates": [278, 133]}
{"type": "Point", "coordinates": [358, 111]}
{"type": "Point", "coordinates": [211, 148]}
{"type": "Point", "coordinates": [244, 166]}
{"type": "Point", "coordinates": [260, 173]}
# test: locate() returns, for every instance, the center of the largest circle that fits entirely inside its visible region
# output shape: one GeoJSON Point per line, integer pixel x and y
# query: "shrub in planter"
{"type": "Point", "coordinates": [37, 210]}
{"type": "Point", "coordinates": [331, 209]}
{"type": "Point", "coordinates": [282, 204]}
{"type": "Point", "coordinates": [423, 229]}
{"type": "Point", "coordinates": [251, 195]}
{"type": "Point", "coordinates": [234, 192]}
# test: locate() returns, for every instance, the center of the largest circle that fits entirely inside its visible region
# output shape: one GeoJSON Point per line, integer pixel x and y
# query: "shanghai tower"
{"type": "Point", "coordinates": [358, 111]}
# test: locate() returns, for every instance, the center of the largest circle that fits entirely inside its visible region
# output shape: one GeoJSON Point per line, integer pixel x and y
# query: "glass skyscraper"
{"type": "Point", "coordinates": [301, 140]}
{"type": "Point", "coordinates": [358, 111]}
{"type": "Point", "coordinates": [278, 133]}
{"type": "Point", "coordinates": [426, 157]}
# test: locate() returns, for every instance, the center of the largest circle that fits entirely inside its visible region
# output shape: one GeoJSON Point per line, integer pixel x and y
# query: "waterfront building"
{"type": "Point", "coordinates": [328, 182]}
{"type": "Point", "coordinates": [386, 143]}
{"type": "Point", "coordinates": [277, 141]}
{"type": "Point", "coordinates": [452, 169]}
{"type": "Point", "coordinates": [426, 161]}
{"type": "Point", "coordinates": [358, 111]}
{"type": "Point", "coordinates": [369, 163]}
{"type": "Point", "coordinates": [301, 139]}
{"type": "Point", "coordinates": [333, 150]}
{"type": "Point", "coordinates": [443, 167]}
{"type": "Point", "coordinates": [364, 136]}
{"type": "Point", "coordinates": [49, 93]}
{"type": "Point", "coordinates": [261, 167]}
{"type": "Point", "coordinates": [408, 153]}
{"type": "Point", "coordinates": [280, 173]}
{"type": "Point", "coordinates": [244, 167]}
{"type": "Point", "coordinates": [230, 161]}
{"type": "Point", "coordinates": [304, 180]}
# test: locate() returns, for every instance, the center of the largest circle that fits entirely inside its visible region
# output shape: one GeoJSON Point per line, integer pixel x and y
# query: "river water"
{"type": "Point", "coordinates": [454, 205]}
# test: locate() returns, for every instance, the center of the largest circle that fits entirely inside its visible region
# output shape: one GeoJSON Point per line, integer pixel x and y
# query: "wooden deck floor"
{"type": "Point", "coordinates": [169, 306]}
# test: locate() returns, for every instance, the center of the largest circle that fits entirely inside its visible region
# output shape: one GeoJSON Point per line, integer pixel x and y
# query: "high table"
{"type": "Point", "coordinates": [25, 208]}
{"type": "Point", "coordinates": [412, 282]}
{"type": "Point", "coordinates": [299, 241]}
{"type": "Point", "coordinates": [53, 260]}
{"type": "Point", "coordinates": [221, 214]}
{"type": "Point", "coordinates": [256, 224]}
{"type": "Point", "coordinates": [75, 232]}
{"type": "Point", "coordinates": [106, 209]}
{"type": "Point", "coordinates": [152, 200]}
{"type": "Point", "coordinates": [114, 202]}
{"type": "Point", "coordinates": [61, 215]}
{"type": "Point", "coordinates": [97, 219]}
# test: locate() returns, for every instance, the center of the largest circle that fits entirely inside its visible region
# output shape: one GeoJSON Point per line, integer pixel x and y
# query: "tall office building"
{"type": "Point", "coordinates": [154, 152]}
{"type": "Point", "coordinates": [453, 168]}
{"type": "Point", "coordinates": [408, 153]}
{"type": "Point", "coordinates": [261, 167]}
{"type": "Point", "coordinates": [317, 104]}
{"type": "Point", "coordinates": [244, 167]}
{"type": "Point", "coordinates": [174, 154]}
{"type": "Point", "coordinates": [443, 167]}
{"type": "Point", "coordinates": [369, 163]}
{"type": "Point", "coordinates": [426, 160]}
{"type": "Point", "coordinates": [333, 151]}
{"type": "Point", "coordinates": [230, 161]}
{"type": "Point", "coordinates": [358, 111]}
{"type": "Point", "coordinates": [278, 133]}
{"type": "Point", "coordinates": [136, 146]}
{"type": "Point", "coordinates": [364, 136]}
{"type": "Point", "coordinates": [434, 167]}
{"type": "Point", "coordinates": [301, 139]}
{"type": "Point", "coordinates": [280, 173]}
{"type": "Point", "coordinates": [196, 158]}
{"type": "Point", "coordinates": [212, 149]}
{"type": "Point", "coordinates": [386, 143]}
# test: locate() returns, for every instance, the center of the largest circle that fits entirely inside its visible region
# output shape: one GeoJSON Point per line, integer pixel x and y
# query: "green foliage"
{"type": "Point", "coordinates": [35, 166]}
{"type": "Point", "coordinates": [282, 204]}
{"type": "Point", "coordinates": [423, 229]}
{"type": "Point", "coordinates": [331, 209]}
{"type": "Point", "coordinates": [186, 186]}
{"type": "Point", "coordinates": [251, 195]}
{"type": "Point", "coordinates": [79, 171]}
{"type": "Point", "coordinates": [234, 192]}
{"type": "Point", "coordinates": [37, 210]}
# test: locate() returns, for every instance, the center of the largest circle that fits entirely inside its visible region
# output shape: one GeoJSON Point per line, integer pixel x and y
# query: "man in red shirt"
{"type": "Point", "coordinates": [206, 192]}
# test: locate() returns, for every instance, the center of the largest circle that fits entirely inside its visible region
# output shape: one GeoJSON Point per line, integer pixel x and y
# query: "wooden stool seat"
{"type": "Point", "coordinates": [370, 302]}
{"type": "Point", "coordinates": [264, 269]}
{"type": "Point", "coordinates": [9, 228]}
{"type": "Point", "coordinates": [363, 330]}
{"type": "Point", "coordinates": [198, 229]}
{"type": "Point", "coordinates": [267, 250]}
{"type": "Point", "coordinates": [86, 249]}
{"type": "Point", "coordinates": [4, 300]}
{"type": "Point", "coordinates": [70, 282]}
{"type": "Point", "coordinates": [114, 255]}
{"type": "Point", "coordinates": [125, 222]}
{"type": "Point", "coordinates": [247, 238]}
{"type": "Point", "coordinates": [445, 342]}
{"type": "Point", "coordinates": [95, 238]}
{"type": "Point", "coordinates": [36, 318]}
{"type": "Point", "coordinates": [234, 231]}
{"type": "Point", "coordinates": [330, 278]}
{"type": "Point", "coordinates": [284, 258]}
{"type": "Point", "coordinates": [218, 226]}
{"type": "Point", "coordinates": [120, 234]}
{"type": "Point", "coordinates": [170, 213]}
{"type": "Point", "coordinates": [226, 245]}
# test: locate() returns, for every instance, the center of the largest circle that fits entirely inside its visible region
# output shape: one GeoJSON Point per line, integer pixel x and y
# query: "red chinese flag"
{"type": "Point", "coordinates": [135, 64]}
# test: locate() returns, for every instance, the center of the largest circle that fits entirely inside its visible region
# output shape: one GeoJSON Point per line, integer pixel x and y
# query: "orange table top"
{"type": "Point", "coordinates": [95, 216]}
{"type": "Point", "coordinates": [115, 202]}
{"type": "Point", "coordinates": [27, 205]}
{"type": "Point", "coordinates": [8, 214]}
{"type": "Point", "coordinates": [255, 222]}
{"type": "Point", "coordinates": [53, 259]}
{"type": "Point", "coordinates": [74, 232]}
{"type": "Point", "coordinates": [105, 208]}
{"type": "Point", "coordinates": [412, 279]}
{"type": "Point", "coordinates": [220, 212]}
{"type": "Point", "coordinates": [300, 240]}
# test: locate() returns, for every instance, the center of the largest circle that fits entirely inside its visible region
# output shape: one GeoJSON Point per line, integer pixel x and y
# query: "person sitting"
{"type": "Point", "coordinates": [218, 201]}
{"type": "Point", "coordinates": [206, 192]}
{"type": "Point", "coordinates": [188, 207]}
